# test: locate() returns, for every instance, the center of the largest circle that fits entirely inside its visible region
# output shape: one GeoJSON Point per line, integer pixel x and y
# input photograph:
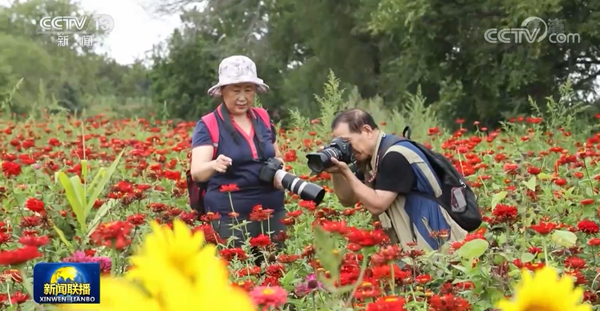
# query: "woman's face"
{"type": "Point", "coordinates": [239, 98]}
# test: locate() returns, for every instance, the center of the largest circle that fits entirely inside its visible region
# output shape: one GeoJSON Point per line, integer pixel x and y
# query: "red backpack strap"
{"type": "Point", "coordinates": [210, 121]}
{"type": "Point", "coordinates": [263, 115]}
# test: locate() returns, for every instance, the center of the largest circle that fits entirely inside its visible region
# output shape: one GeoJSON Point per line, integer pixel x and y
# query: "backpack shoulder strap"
{"type": "Point", "coordinates": [388, 141]}
{"type": "Point", "coordinates": [263, 115]}
{"type": "Point", "coordinates": [210, 120]}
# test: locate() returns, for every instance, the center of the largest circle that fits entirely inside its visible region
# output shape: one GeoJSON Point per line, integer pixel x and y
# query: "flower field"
{"type": "Point", "coordinates": [88, 190]}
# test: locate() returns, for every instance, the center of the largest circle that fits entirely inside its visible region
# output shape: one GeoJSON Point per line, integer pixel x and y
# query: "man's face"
{"type": "Point", "coordinates": [362, 146]}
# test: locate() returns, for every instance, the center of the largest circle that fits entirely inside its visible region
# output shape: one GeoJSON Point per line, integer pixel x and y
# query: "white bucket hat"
{"type": "Point", "coordinates": [237, 69]}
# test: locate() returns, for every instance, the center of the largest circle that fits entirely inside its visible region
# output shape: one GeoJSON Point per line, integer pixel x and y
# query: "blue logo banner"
{"type": "Point", "coordinates": [66, 282]}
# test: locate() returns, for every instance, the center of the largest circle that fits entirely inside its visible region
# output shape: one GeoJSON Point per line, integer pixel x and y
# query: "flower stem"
{"type": "Point", "coordinates": [8, 292]}
{"type": "Point", "coordinates": [393, 283]}
{"type": "Point", "coordinates": [26, 284]}
{"type": "Point", "coordinates": [544, 244]}
{"type": "Point", "coordinates": [363, 269]}
{"type": "Point", "coordinates": [113, 266]}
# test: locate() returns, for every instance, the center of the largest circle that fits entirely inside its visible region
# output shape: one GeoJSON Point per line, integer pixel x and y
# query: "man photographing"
{"type": "Point", "coordinates": [390, 183]}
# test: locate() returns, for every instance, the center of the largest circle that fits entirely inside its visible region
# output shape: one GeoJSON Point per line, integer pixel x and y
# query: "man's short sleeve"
{"type": "Point", "coordinates": [395, 174]}
{"type": "Point", "coordinates": [201, 136]}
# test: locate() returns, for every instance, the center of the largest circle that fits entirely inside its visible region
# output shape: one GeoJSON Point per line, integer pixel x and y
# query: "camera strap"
{"type": "Point", "coordinates": [228, 124]}
{"type": "Point", "coordinates": [260, 147]}
{"type": "Point", "coordinates": [386, 142]}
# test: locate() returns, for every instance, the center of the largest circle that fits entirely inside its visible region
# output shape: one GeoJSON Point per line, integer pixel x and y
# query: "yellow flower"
{"type": "Point", "coordinates": [176, 272]}
{"type": "Point", "coordinates": [168, 249]}
{"type": "Point", "coordinates": [116, 294]}
{"type": "Point", "coordinates": [545, 292]}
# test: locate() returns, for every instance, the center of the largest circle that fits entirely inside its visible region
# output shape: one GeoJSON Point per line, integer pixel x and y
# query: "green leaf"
{"type": "Point", "coordinates": [102, 183]}
{"type": "Point", "coordinates": [62, 237]}
{"type": "Point", "coordinates": [328, 283]}
{"type": "Point", "coordinates": [564, 238]}
{"type": "Point", "coordinates": [531, 183]}
{"type": "Point", "coordinates": [84, 169]}
{"type": "Point", "coordinates": [527, 257]}
{"type": "Point", "coordinates": [328, 255]}
{"type": "Point", "coordinates": [499, 259]}
{"type": "Point", "coordinates": [27, 282]}
{"type": "Point", "coordinates": [102, 211]}
{"type": "Point", "coordinates": [569, 192]}
{"type": "Point", "coordinates": [91, 186]}
{"type": "Point", "coordinates": [288, 277]}
{"type": "Point", "coordinates": [494, 294]}
{"type": "Point", "coordinates": [544, 176]}
{"type": "Point", "coordinates": [498, 197]}
{"type": "Point", "coordinates": [73, 198]}
{"type": "Point", "coordinates": [80, 192]}
{"type": "Point", "coordinates": [473, 249]}
{"type": "Point", "coordinates": [28, 305]}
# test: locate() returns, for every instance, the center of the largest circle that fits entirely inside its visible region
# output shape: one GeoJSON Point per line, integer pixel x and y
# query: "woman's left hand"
{"type": "Point", "coordinates": [277, 183]}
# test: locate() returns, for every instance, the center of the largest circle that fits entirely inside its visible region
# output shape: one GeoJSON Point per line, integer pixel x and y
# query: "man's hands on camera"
{"type": "Point", "coordinates": [340, 167]}
{"type": "Point", "coordinates": [221, 163]}
{"type": "Point", "coordinates": [337, 167]}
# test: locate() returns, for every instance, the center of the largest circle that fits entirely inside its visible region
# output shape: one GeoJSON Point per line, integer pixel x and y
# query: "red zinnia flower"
{"type": "Point", "coordinates": [588, 226]}
{"type": "Point", "coordinates": [11, 169]}
{"type": "Point", "coordinates": [229, 188]}
{"type": "Point", "coordinates": [309, 205]}
{"type": "Point", "coordinates": [575, 262]}
{"type": "Point", "coordinates": [260, 214]}
{"type": "Point", "coordinates": [387, 304]}
{"type": "Point", "coordinates": [365, 237]}
{"type": "Point", "coordinates": [260, 241]}
{"type": "Point", "coordinates": [34, 205]}
{"type": "Point", "coordinates": [12, 274]}
{"type": "Point", "coordinates": [114, 234]}
{"type": "Point", "coordinates": [505, 213]}
{"type": "Point", "coordinates": [31, 240]}
{"type": "Point", "coordinates": [594, 242]}
{"type": "Point", "coordinates": [511, 168]}
{"type": "Point", "coordinates": [448, 302]}
{"type": "Point", "coordinates": [19, 255]}
{"type": "Point", "coordinates": [423, 278]}
{"type": "Point", "coordinates": [231, 253]}
{"type": "Point", "coordinates": [543, 228]}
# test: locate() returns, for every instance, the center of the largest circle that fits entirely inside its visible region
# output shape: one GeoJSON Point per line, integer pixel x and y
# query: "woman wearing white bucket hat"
{"type": "Point", "coordinates": [245, 135]}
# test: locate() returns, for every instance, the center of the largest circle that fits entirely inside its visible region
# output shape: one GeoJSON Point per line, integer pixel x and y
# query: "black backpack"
{"type": "Point", "coordinates": [457, 197]}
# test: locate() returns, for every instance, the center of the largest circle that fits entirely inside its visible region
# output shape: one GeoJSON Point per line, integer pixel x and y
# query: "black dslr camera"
{"type": "Point", "coordinates": [273, 169]}
{"type": "Point", "coordinates": [269, 169]}
{"type": "Point", "coordinates": [338, 148]}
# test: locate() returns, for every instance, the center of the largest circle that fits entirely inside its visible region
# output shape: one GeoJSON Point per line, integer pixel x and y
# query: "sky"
{"type": "Point", "coordinates": [136, 30]}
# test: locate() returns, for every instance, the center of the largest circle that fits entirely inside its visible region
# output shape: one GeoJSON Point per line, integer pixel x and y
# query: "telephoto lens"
{"type": "Point", "coordinates": [319, 161]}
{"type": "Point", "coordinates": [338, 148]}
{"type": "Point", "coordinates": [306, 190]}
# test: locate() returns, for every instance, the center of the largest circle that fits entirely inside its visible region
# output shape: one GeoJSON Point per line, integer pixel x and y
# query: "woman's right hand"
{"type": "Point", "coordinates": [221, 163]}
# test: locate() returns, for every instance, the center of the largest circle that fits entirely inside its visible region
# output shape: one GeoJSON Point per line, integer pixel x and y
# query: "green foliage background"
{"type": "Point", "coordinates": [384, 53]}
